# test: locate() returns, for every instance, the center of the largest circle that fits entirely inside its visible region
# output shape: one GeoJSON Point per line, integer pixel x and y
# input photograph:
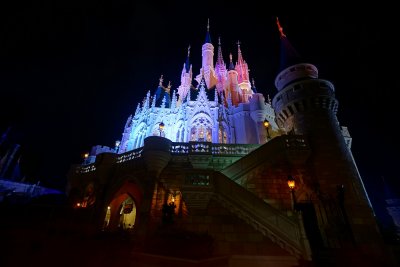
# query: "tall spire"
{"type": "Point", "coordinates": [253, 86]}
{"type": "Point", "coordinates": [187, 64]}
{"type": "Point", "coordinates": [220, 60]}
{"type": "Point", "coordinates": [208, 37]}
{"type": "Point", "coordinates": [289, 55]}
{"type": "Point", "coordinates": [240, 57]}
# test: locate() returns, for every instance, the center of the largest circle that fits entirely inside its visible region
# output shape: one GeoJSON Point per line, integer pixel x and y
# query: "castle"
{"type": "Point", "coordinates": [216, 172]}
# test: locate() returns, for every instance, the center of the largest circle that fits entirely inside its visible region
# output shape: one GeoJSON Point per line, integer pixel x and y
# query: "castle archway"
{"type": "Point", "coordinates": [121, 211]}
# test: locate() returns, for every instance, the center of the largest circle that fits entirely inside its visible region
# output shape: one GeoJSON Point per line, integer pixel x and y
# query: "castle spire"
{"type": "Point", "coordinates": [253, 86]}
{"type": "Point", "coordinates": [208, 37]}
{"type": "Point", "coordinates": [231, 66]}
{"type": "Point", "coordinates": [220, 59]}
{"type": "Point", "coordinates": [161, 81]}
{"type": "Point", "coordinates": [187, 63]}
{"type": "Point", "coordinates": [240, 57]}
{"type": "Point", "coordinates": [289, 55]}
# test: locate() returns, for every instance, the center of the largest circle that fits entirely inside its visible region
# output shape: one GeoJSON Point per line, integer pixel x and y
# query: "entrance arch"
{"type": "Point", "coordinates": [121, 210]}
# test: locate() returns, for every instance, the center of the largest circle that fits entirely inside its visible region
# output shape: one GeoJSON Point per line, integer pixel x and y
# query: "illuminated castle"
{"type": "Point", "coordinates": [222, 108]}
{"type": "Point", "coordinates": [203, 173]}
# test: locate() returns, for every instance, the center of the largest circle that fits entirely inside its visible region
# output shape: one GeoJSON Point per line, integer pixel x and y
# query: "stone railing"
{"type": "Point", "coordinates": [133, 154]}
{"type": "Point", "coordinates": [86, 168]}
{"type": "Point", "coordinates": [286, 231]}
{"type": "Point", "coordinates": [295, 142]}
{"type": "Point", "coordinates": [212, 149]}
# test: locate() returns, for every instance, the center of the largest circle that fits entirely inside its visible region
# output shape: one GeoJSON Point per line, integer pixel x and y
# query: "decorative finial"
{"type": "Point", "coordinates": [219, 40]}
{"type": "Point", "coordinates": [208, 24]}
{"type": "Point", "coordinates": [230, 57]}
{"type": "Point", "coordinates": [161, 80]}
{"type": "Point", "coordinates": [268, 99]}
{"type": "Point", "coordinates": [169, 84]}
{"type": "Point", "coordinates": [188, 50]}
{"type": "Point", "coordinates": [280, 28]}
{"type": "Point", "coordinates": [253, 82]}
{"type": "Point", "coordinates": [238, 43]}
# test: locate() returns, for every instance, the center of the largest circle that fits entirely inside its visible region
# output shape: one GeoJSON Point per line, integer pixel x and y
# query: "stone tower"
{"type": "Point", "coordinates": [306, 105]}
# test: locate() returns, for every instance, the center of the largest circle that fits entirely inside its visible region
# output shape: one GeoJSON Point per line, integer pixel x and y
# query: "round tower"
{"type": "Point", "coordinates": [306, 105]}
{"type": "Point", "coordinates": [207, 51]}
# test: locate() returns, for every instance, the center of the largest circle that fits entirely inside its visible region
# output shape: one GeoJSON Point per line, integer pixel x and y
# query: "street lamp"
{"type": "Point", "coordinates": [266, 125]}
{"type": "Point", "coordinates": [161, 127]}
{"type": "Point", "coordinates": [292, 183]}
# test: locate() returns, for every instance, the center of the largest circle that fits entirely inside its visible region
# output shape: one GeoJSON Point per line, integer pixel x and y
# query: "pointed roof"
{"type": "Point", "coordinates": [253, 86]}
{"type": "Point", "coordinates": [231, 66]}
{"type": "Point", "coordinates": [208, 37]}
{"type": "Point", "coordinates": [220, 59]}
{"type": "Point", "coordinates": [187, 63]}
{"type": "Point", "coordinates": [289, 56]}
{"type": "Point", "coordinates": [240, 57]}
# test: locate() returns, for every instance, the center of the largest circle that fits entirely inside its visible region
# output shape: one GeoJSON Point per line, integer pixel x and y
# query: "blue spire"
{"type": "Point", "coordinates": [289, 55]}
{"type": "Point", "coordinates": [208, 37]}
{"type": "Point", "coordinates": [253, 86]}
{"type": "Point", "coordinates": [231, 66]}
{"type": "Point", "coordinates": [187, 63]}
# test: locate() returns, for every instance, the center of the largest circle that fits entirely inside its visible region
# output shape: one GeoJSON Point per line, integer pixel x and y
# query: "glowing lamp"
{"type": "Point", "coordinates": [161, 126]}
{"type": "Point", "coordinates": [291, 182]}
{"type": "Point", "coordinates": [86, 155]}
{"type": "Point", "coordinates": [266, 123]}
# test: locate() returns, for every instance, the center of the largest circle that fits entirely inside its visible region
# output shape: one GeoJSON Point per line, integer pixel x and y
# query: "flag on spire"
{"type": "Point", "coordinates": [280, 28]}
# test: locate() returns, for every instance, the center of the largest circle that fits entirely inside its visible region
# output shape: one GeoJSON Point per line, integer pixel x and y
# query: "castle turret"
{"type": "Point", "coordinates": [232, 83]}
{"type": "Point", "coordinates": [207, 66]}
{"type": "Point", "coordinates": [306, 105]}
{"type": "Point", "coordinates": [186, 79]}
{"type": "Point", "coordinates": [162, 96]}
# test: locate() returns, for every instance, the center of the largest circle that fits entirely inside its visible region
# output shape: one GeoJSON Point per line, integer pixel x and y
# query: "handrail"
{"type": "Point", "coordinates": [284, 230]}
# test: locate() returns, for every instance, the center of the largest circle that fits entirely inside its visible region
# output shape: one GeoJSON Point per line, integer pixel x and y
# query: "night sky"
{"type": "Point", "coordinates": [71, 75]}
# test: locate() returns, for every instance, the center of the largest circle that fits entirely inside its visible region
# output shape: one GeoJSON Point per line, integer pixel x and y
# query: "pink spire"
{"type": "Point", "coordinates": [241, 67]}
{"type": "Point", "coordinates": [220, 60]}
{"type": "Point", "coordinates": [240, 57]}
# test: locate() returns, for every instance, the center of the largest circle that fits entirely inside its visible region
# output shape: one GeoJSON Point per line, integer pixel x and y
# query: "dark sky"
{"type": "Point", "coordinates": [71, 75]}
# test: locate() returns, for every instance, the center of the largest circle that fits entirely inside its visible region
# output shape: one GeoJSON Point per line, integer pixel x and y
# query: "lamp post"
{"type": "Point", "coordinates": [85, 158]}
{"type": "Point", "coordinates": [161, 127]}
{"type": "Point", "coordinates": [292, 183]}
{"type": "Point", "coordinates": [266, 125]}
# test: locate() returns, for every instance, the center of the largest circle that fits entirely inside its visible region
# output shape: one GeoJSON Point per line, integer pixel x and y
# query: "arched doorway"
{"type": "Point", "coordinates": [121, 212]}
{"type": "Point", "coordinates": [127, 214]}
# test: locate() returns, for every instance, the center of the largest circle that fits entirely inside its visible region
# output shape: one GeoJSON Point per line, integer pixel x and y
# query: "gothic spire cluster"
{"type": "Point", "coordinates": [194, 110]}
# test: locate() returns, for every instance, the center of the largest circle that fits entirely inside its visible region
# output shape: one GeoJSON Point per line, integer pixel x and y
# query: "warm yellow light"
{"type": "Point", "coordinates": [161, 126]}
{"type": "Point", "coordinates": [173, 199]}
{"type": "Point", "coordinates": [266, 123]}
{"type": "Point", "coordinates": [86, 155]}
{"type": "Point", "coordinates": [108, 207]}
{"type": "Point", "coordinates": [291, 182]}
{"type": "Point", "coordinates": [78, 204]}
